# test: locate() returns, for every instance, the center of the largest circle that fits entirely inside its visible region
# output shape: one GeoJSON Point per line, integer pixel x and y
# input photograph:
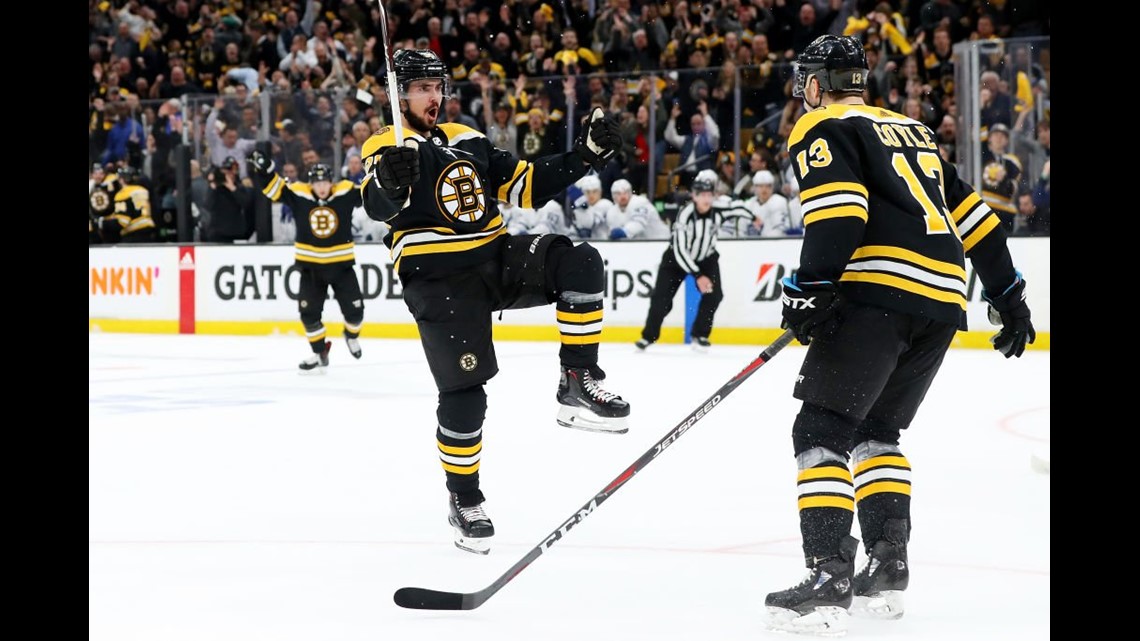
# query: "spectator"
{"type": "Point", "coordinates": [230, 204]}
{"type": "Point", "coordinates": [501, 129]}
{"type": "Point", "coordinates": [639, 142]}
{"type": "Point", "coordinates": [125, 137]}
{"type": "Point", "coordinates": [539, 137]}
{"type": "Point", "coordinates": [1001, 175]}
{"type": "Point", "coordinates": [176, 86]}
{"type": "Point", "coordinates": [286, 145]}
{"type": "Point", "coordinates": [222, 138]}
{"type": "Point", "coordinates": [1031, 220]}
{"type": "Point", "coordinates": [759, 160]}
{"type": "Point", "coordinates": [698, 148]}
{"type": "Point", "coordinates": [453, 112]}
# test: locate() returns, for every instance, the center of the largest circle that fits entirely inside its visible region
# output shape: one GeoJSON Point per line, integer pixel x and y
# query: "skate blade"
{"type": "Point", "coordinates": [830, 621]}
{"type": "Point", "coordinates": [476, 546]}
{"type": "Point", "coordinates": [887, 605]}
{"type": "Point", "coordinates": [700, 349]}
{"type": "Point", "coordinates": [583, 419]}
{"type": "Point", "coordinates": [316, 371]}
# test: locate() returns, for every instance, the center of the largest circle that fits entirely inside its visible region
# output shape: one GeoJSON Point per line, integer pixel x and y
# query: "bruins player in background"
{"type": "Point", "coordinates": [878, 296]}
{"type": "Point", "coordinates": [130, 221]}
{"type": "Point", "coordinates": [457, 264]}
{"type": "Point", "coordinates": [324, 250]}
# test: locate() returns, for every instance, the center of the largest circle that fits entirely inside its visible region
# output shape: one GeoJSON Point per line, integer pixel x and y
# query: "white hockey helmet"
{"type": "Point", "coordinates": [621, 186]}
{"type": "Point", "coordinates": [763, 177]}
{"type": "Point", "coordinates": [590, 183]}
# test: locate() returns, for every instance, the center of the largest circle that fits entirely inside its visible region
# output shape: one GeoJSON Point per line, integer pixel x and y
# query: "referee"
{"type": "Point", "coordinates": [692, 250]}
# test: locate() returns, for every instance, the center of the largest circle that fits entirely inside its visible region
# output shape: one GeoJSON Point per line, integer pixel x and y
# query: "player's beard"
{"type": "Point", "coordinates": [421, 124]}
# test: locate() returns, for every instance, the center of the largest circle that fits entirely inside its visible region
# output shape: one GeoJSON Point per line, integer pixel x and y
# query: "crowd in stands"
{"type": "Point", "coordinates": [167, 72]}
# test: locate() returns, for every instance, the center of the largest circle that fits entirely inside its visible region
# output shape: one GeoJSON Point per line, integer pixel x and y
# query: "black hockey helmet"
{"type": "Point", "coordinates": [417, 64]}
{"type": "Point", "coordinates": [128, 175]}
{"type": "Point", "coordinates": [839, 63]}
{"type": "Point", "coordinates": [319, 172]}
{"type": "Point", "coordinates": [702, 183]}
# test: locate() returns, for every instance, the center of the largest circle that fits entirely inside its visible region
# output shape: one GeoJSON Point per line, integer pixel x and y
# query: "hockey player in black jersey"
{"type": "Point", "coordinates": [692, 251]}
{"type": "Point", "coordinates": [439, 191]}
{"type": "Point", "coordinates": [325, 253]}
{"type": "Point", "coordinates": [879, 294]}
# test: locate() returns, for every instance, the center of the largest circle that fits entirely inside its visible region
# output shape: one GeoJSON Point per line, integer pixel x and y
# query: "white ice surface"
{"type": "Point", "coordinates": [233, 499]}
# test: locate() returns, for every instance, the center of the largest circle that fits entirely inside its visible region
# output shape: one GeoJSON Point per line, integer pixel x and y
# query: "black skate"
{"type": "Point", "coordinates": [316, 363]}
{"type": "Point", "coordinates": [879, 585]}
{"type": "Point", "coordinates": [818, 605]}
{"type": "Point", "coordinates": [586, 406]}
{"type": "Point", "coordinates": [642, 343]}
{"type": "Point", "coordinates": [473, 528]}
{"type": "Point", "coordinates": [701, 343]}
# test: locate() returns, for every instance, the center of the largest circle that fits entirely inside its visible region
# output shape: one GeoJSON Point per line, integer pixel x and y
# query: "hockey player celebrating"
{"type": "Point", "coordinates": [878, 296]}
{"type": "Point", "coordinates": [457, 264]}
{"type": "Point", "coordinates": [325, 251]}
{"type": "Point", "coordinates": [633, 216]}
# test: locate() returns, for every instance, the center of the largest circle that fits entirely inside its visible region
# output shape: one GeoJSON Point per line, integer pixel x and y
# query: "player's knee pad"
{"type": "Point", "coordinates": [817, 426]}
{"type": "Point", "coordinates": [870, 449]}
{"type": "Point", "coordinates": [578, 270]}
{"type": "Point", "coordinates": [313, 326]}
{"type": "Point", "coordinates": [462, 411]}
{"type": "Point", "coordinates": [817, 456]}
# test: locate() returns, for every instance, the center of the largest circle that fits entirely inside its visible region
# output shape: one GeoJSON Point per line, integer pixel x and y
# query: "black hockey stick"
{"type": "Point", "coordinates": [424, 599]}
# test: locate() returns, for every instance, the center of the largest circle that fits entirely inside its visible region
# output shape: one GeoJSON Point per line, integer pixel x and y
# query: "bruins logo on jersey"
{"type": "Point", "coordinates": [100, 201]}
{"type": "Point", "coordinates": [460, 192]}
{"type": "Point", "coordinates": [323, 221]}
{"type": "Point", "coordinates": [993, 173]}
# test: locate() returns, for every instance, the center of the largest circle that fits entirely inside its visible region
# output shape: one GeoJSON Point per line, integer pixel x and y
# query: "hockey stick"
{"type": "Point", "coordinates": [393, 86]}
{"type": "Point", "coordinates": [424, 599]}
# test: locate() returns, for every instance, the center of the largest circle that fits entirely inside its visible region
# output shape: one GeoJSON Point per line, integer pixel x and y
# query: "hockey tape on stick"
{"type": "Point", "coordinates": [393, 85]}
{"type": "Point", "coordinates": [424, 599]}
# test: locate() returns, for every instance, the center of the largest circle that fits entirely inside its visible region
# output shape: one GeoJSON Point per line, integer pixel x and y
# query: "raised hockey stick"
{"type": "Point", "coordinates": [393, 86]}
{"type": "Point", "coordinates": [424, 599]}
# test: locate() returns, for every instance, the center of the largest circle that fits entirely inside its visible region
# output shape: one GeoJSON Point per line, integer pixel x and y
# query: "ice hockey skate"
{"type": "Point", "coordinates": [701, 344]}
{"type": "Point", "coordinates": [643, 343]}
{"type": "Point", "coordinates": [586, 406]}
{"type": "Point", "coordinates": [316, 363]}
{"type": "Point", "coordinates": [819, 604]}
{"type": "Point", "coordinates": [353, 346]}
{"type": "Point", "coordinates": [473, 528]}
{"type": "Point", "coordinates": [880, 583]}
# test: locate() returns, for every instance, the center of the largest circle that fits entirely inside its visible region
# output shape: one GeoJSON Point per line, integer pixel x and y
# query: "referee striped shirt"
{"type": "Point", "coordinates": [694, 234]}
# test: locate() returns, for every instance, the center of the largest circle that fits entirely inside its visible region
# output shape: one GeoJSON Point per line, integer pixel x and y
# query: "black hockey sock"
{"type": "Point", "coordinates": [459, 437]}
{"type": "Point", "coordinates": [826, 503]}
{"type": "Point", "coordinates": [315, 334]}
{"type": "Point", "coordinates": [882, 486]}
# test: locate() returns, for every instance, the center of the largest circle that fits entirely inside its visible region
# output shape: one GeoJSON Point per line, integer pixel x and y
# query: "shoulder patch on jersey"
{"type": "Point", "coordinates": [385, 137]}
{"type": "Point", "coordinates": [454, 130]}
{"type": "Point", "coordinates": [127, 192]}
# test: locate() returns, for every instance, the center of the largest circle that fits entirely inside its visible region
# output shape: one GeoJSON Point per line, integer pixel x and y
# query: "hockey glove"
{"type": "Point", "coordinates": [599, 139]}
{"type": "Point", "coordinates": [809, 308]}
{"type": "Point", "coordinates": [399, 166]}
{"type": "Point", "coordinates": [1011, 312]}
{"type": "Point", "coordinates": [617, 233]}
{"type": "Point", "coordinates": [261, 163]}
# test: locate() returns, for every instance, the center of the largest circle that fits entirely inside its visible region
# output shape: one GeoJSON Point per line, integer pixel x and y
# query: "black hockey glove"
{"type": "Point", "coordinates": [399, 166]}
{"type": "Point", "coordinates": [1011, 312]}
{"type": "Point", "coordinates": [809, 308]}
{"type": "Point", "coordinates": [599, 139]}
{"type": "Point", "coordinates": [261, 163]}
